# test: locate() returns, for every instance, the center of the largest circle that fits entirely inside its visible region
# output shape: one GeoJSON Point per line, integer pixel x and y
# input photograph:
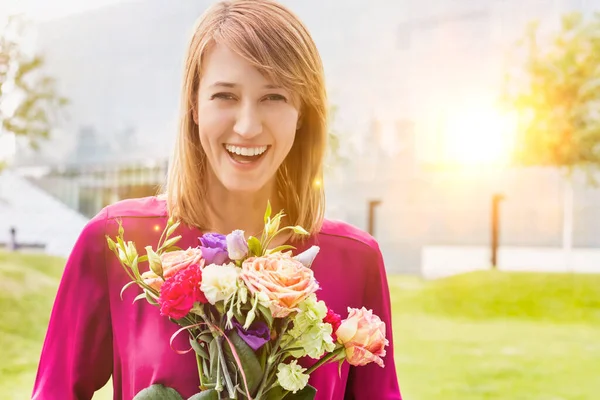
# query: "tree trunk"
{"type": "Point", "coordinates": [568, 221]}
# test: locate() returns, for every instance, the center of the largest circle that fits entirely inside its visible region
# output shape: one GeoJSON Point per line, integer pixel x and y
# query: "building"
{"type": "Point", "coordinates": [396, 71]}
{"type": "Point", "coordinates": [39, 221]}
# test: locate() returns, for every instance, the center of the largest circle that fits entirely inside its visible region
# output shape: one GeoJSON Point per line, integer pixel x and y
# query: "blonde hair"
{"type": "Point", "coordinates": [276, 42]}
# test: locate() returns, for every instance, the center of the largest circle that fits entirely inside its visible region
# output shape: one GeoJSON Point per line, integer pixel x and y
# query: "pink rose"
{"type": "Point", "coordinates": [179, 293]}
{"type": "Point", "coordinates": [363, 336]}
{"type": "Point", "coordinates": [285, 281]}
{"type": "Point", "coordinates": [173, 262]}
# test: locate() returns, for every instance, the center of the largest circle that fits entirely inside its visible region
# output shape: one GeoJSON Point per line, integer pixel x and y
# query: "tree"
{"type": "Point", "coordinates": [557, 96]}
{"type": "Point", "coordinates": [29, 103]}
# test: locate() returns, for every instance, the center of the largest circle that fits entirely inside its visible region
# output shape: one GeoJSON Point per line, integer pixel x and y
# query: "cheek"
{"type": "Point", "coordinates": [283, 125]}
{"type": "Point", "coordinates": [212, 123]}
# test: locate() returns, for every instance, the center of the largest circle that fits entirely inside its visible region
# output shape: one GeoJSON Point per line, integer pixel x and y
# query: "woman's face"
{"type": "Point", "coordinates": [247, 124]}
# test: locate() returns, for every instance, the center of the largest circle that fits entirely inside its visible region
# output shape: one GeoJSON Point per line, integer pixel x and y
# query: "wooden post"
{"type": "Point", "coordinates": [371, 222]}
{"type": "Point", "coordinates": [496, 199]}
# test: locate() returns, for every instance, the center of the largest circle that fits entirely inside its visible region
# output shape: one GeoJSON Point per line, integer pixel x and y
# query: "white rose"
{"type": "Point", "coordinates": [219, 282]}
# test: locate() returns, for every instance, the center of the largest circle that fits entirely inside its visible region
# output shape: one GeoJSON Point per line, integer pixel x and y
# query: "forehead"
{"type": "Point", "coordinates": [221, 64]}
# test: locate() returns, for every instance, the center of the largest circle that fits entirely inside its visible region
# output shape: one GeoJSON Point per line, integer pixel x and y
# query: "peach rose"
{"type": "Point", "coordinates": [285, 281]}
{"type": "Point", "coordinates": [363, 336]}
{"type": "Point", "coordinates": [173, 262]}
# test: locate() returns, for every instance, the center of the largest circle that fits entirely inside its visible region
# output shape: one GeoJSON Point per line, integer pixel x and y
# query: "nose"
{"type": "Point", "coordinates": [249, 122]}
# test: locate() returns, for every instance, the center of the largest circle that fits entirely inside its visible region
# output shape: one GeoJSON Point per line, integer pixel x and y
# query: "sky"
{"type": "Point", "coordinates": [41, 10]}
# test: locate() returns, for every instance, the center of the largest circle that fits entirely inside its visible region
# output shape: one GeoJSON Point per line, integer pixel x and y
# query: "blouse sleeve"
{"type": "Point", "coordinates": [371, 381]}
{"type": "Point", "coordinates": [76, 358]}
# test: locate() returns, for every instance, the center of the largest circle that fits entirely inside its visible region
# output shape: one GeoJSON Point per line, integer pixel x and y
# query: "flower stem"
{"type": "Point", "coordinates": [219, 387]}
{"type": "Point", "coordinates": [272, 359]}
{"type": "Point", "coordinates": [200, 372]}
{"type": "Point", "coordinates": [324, 360]}
{"type": "Point", "coordinates": [223, 363]}
{"type": "Point", "coordinates": [273, 236]}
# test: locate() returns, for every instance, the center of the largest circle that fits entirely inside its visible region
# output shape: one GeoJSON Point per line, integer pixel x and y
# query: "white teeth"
{"type": "Point", "coordinates": [246, 151]}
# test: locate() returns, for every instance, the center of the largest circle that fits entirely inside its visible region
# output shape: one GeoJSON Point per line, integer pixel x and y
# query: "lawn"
{"type": "Point", "coordinates": [479, 336]}
{"type": "Point", "coordinates": [490, 335]}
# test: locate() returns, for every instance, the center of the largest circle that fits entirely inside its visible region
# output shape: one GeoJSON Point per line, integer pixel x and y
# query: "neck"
{"type": "Point", "coordinates": [240, 210]}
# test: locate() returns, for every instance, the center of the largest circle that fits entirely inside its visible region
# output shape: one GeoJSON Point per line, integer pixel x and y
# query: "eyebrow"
{"type": "Point", "coordinates": [233, 85]}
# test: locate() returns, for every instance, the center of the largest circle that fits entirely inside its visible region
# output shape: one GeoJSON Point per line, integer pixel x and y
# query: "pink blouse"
{"type": "Point", "coordinates": [94, 335]}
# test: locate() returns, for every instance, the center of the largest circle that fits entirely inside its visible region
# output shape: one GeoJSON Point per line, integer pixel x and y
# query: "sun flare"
{"type": "Point", "coordinates": [477, 135]}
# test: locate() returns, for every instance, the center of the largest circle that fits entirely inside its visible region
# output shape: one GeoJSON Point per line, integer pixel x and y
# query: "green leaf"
{"type": "Point", "coordinates": [248, 358]}
{"type": "Point", "coordinates": [206, 338]}
{"type": "Point", "coordinates": [263, 355]}
{"type": "Point", "coordinates": [308, 393]}
{"type": "Point", "coordinates": [199, 349]}
{"type": "Point", "coordinates": [279, 393]}
{"type": "Point", "coordinates": [266, 313]}
{"type": "Point", "coordinates": [158, 392]}
{"type": "Point", "coordinates": [173, 248]}
{"type": "Point", "coordinates": [214, 356]}
{"type": "Point", "coordinates": [268, 211]}
{"type": "Point", "coordinates": [255, 246]}
{"type": "Point", "coordinates": [125, 287]}
{"type": "Point", "coordinates": [150, 299]}
{"type": "Point", "coordinates": [139, 297]}
{"type": "Point", "coordinates": [209, 394]}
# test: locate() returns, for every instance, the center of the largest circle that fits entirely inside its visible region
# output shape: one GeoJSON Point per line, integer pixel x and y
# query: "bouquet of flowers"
{"type": "Point", "coordinates": [251, 312]}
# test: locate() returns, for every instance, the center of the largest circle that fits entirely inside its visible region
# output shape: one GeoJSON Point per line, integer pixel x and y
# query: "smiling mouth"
{"type": "Point", "coordinates": [246, 155]}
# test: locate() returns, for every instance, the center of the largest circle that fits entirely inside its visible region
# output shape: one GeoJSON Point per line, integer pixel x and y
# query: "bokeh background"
{"type": "Point", "coordinates": [464, 138]}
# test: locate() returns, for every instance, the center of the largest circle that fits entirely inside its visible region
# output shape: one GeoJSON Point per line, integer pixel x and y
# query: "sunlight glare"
{"type": "Point", "coordinates": [478, 135]}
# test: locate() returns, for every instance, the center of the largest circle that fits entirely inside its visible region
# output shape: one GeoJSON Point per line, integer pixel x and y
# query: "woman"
{"type": "Point", "coordinates": [253, 128]}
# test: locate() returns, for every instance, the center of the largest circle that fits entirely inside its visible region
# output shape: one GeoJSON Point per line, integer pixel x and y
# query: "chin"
{"type": "Point", "coordinates": [243, 185]}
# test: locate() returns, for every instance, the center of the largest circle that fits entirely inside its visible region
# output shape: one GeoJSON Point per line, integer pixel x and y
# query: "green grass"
{"type": "Point", "coordinates": [478, 336]}
{"type": "Point", "coordinates": [491, 335]}
{"type": "Point", "coordinates": [27, 287]}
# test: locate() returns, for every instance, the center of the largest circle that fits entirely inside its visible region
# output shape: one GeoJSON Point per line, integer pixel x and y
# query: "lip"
{"type": "Point", "coordinates": [245, 166]}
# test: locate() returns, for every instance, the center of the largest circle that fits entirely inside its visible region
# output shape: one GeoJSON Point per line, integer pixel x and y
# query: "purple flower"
{"type": "Point", "coordinates": [214, 248]}
{"type": "Point", "coordinates": [237, 247]}
{"type": "Point", "coordinates": [255, 336]}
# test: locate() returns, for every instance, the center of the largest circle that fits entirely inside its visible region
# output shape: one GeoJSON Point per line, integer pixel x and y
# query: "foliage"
{"type": "Point", "coordinates": [557, 95]}
{"type": "Point", "coordinates": [29, 103]}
